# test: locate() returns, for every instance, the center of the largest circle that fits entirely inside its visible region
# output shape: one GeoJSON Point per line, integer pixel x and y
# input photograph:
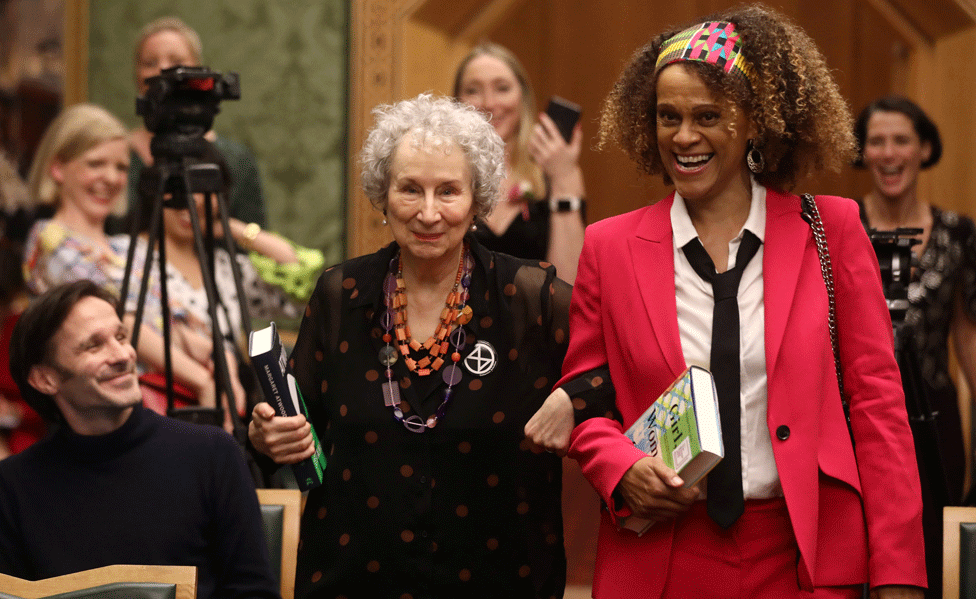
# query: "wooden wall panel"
{"type": "Point", "coordinates": [877, 44]}
{"type": "Point", "coordinates": [952, 108]}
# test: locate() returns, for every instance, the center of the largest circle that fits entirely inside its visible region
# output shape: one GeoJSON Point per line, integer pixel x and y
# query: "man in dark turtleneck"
{"type": "Point", "coordinates": [115, 483]}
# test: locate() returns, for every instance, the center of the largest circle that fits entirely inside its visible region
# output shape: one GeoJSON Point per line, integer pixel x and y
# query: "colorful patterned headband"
{"type": "Point", "coordinates": [716, 43]}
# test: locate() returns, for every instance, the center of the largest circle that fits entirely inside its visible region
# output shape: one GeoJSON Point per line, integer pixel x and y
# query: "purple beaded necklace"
{"type": "Point", "coordinates": [396, 313]}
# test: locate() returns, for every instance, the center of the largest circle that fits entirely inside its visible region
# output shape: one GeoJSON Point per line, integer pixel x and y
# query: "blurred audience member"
{"type": "Point", "coordinates": [542, 218]}
{"type": "Point", "coordinates": [80, 170]}
{"type": "Point", "coordinates": [20, 425]}
{"type": "Point", "coordinates": [277, 276]}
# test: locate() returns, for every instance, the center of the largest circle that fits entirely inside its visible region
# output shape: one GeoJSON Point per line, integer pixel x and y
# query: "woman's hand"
{"type": "Point", "coordinates": [551, 426]}
{"type": "Point", "coordinates": [286, 440]}
{"type": "Point", "coordinates": [264, 243]}
{"type": "Point", "coordinates": [558, 160]}
{"type": "Point", "coordinates": [654, 491]}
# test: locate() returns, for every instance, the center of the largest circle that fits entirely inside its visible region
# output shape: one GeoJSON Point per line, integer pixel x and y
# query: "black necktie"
{"type": "Point", "coordinates": [725, 503]}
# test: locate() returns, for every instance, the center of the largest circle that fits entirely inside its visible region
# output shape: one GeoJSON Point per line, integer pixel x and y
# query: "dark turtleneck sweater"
{"type": "Point", "coordinates": [155, 491]}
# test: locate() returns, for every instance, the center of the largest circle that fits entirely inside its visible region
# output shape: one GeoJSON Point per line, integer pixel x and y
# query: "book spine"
{"type": "Point", "coordinates": [273, 383]}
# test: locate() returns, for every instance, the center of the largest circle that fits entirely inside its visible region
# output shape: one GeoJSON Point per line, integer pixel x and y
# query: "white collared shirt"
{"type": "Point", "coordinates": [696, 302]}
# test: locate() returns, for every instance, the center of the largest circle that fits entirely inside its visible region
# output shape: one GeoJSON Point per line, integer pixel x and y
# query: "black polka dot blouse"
{"type": "Point", "coordinates": [460, 510]}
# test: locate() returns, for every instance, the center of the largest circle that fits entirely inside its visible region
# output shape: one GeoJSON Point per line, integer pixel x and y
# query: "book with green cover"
{"type": "Point", "coordinates": [683, 428]}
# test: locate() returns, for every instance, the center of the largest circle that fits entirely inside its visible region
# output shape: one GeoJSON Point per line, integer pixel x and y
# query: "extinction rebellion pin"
{"type": "Point", "coordinates": [482, 359]}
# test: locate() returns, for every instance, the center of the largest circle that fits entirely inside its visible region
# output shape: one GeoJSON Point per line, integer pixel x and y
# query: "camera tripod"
{"type": "Point", "coordinates": [181, 177]}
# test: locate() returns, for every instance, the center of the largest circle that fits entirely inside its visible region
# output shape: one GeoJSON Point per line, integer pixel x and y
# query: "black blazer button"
{"type": "Point", "coordinates": [782, 432]}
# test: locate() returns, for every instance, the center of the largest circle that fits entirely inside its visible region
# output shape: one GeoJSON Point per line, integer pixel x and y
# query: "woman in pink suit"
{"type": "Point", "coordinates": [733, 111]}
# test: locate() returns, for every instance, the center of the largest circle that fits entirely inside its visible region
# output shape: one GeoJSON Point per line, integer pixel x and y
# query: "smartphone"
{"type": "Point", "coordinates": [565, 114]}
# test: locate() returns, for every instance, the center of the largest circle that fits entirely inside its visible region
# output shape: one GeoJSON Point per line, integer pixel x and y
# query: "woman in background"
{"type": "Point", "coordinates": [898, 141]}
{"type": "Point", "coordinates": [80, 172]}
{"type": "Point", "coordinates": [20, 425]}
{"type": "Point", "coordinates": [277, 276]}
{"type": "Point", "coordinates": [540, 216]}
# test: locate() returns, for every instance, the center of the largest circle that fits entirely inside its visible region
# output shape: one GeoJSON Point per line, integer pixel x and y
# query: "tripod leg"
{"type": "Point", "coordinates": [234, 266]}
{"type": "Point", "coordinates": [221, 374]}
{"type": "Point", "coordinates": [154, 236]}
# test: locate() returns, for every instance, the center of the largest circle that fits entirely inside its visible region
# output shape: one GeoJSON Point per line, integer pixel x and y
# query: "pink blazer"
{"type": "Point", "coordinates": [624, 314]}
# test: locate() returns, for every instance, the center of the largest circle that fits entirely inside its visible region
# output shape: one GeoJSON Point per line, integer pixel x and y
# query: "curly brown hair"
{"type": "Point", "coordinates": [804, 125]}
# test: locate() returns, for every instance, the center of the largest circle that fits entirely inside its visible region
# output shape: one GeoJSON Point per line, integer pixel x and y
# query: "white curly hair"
{"type": "Point", "coordinates": [434, 121]}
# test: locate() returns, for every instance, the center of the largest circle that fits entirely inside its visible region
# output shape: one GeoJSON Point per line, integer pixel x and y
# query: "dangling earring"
{"type": "Point", "coordinates": [474, 226]}
{"type": "Point", "coordinates": [384, 216]}
{"type": "Point", "coordinates": [754, 159]}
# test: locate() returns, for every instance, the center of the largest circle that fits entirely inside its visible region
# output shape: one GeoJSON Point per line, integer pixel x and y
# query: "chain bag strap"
{"type": "Point", "coordinates": [812, 215]}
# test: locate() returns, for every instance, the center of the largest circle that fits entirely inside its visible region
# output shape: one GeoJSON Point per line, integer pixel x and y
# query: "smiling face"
{"type": "Point", "coordinates": [489, 85]}
{"type": "Point", "coordinates": [162, 50]}
{"type": "Point", "coordinates": [702, 139]}
{"type": "Point", "coordinates": [430, 204]}
{"type": "Point", "coordinates": [893, 154]}
{"type": "Point", "coordinates": [91, 374]}
{"type": "Point", "coordinates": [92, 182]}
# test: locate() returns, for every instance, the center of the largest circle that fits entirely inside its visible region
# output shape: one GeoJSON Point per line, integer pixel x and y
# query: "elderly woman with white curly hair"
{"type": "Point", "coordinates": [420, 365]}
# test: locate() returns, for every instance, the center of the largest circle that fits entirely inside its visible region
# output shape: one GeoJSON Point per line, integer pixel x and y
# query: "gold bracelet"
{"type": "Point", "coordinates": [251, 232]}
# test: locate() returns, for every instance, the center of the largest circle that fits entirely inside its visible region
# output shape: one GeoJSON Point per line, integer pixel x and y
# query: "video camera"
{"type": "Point", "coordinates": [894, 251]}
{"type": "Point", "coordinates": [185, 99]}
{"type": "Point", "coordinates": [179, 107]}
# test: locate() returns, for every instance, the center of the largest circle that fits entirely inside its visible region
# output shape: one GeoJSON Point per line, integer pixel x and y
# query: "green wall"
{"type": "Point", "coordinates": [291, 56]}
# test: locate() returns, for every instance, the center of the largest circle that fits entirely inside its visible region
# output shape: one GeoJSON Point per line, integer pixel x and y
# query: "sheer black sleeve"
{"type": "Point", "coordinates": [592, 392]}
{"type": "Point", "coordinates": [318, 337]}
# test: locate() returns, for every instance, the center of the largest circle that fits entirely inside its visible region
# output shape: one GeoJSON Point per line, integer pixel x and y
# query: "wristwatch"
{"type": "Point", "coordinates": [569, 204]}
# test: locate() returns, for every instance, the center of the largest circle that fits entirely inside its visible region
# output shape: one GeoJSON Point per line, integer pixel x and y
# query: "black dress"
{"type": "Point", "coordinates": [461, 510]}
{"type": "Point", "coordinates": [526, 237]}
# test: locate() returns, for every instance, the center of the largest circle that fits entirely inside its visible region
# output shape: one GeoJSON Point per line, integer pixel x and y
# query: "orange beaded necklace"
{"type": "Point", "coordinates": [437, 345]}
{"type": "Point", "coordinates": [394, 321]}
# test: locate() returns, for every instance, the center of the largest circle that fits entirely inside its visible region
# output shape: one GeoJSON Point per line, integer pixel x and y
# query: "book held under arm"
{"type": "Point", "coordinates": [281, 391]}
{"type": "Point", "coordinates": [682, 427]}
